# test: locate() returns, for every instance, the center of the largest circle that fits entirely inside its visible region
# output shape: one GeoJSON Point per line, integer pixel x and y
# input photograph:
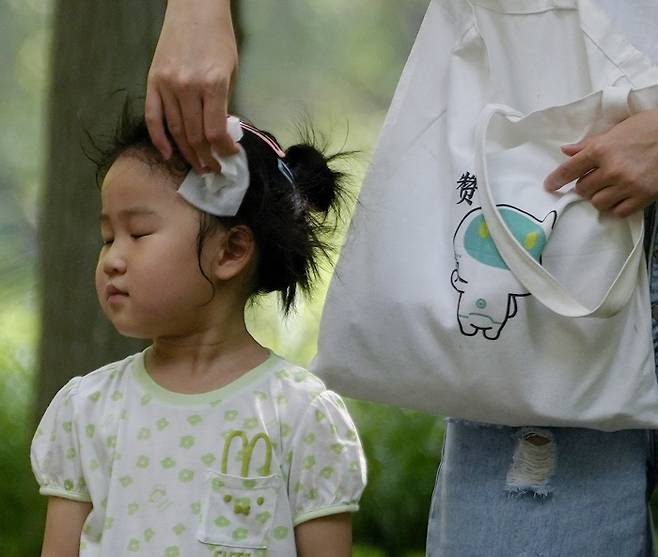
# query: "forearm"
{"type": "Point", "coordinates": [193, 20]}
{"type": "Point", "coordinates": [208, 6]}
{"type": "Point", "coordinates": [329, 536]}
{"type": "Point", "coordinates": [64, 521]}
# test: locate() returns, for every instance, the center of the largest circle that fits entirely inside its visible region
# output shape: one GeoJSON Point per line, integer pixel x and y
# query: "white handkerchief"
{"type": "Point", "coordinates": [220, 194]}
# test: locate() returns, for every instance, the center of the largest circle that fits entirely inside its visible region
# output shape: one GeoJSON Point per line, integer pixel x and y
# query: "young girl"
{"type": "Point", "coordinates": [206, 443]}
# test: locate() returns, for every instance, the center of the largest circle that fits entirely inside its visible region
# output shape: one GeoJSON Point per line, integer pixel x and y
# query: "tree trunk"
{"type": "Point", "coordinates": [98, 48]}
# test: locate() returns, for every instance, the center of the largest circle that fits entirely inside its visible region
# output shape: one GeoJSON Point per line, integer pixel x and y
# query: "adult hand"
{"type": "Point", "coordinates": [190, 79]}
{"type": "Point", "coordinates": [616, 170]}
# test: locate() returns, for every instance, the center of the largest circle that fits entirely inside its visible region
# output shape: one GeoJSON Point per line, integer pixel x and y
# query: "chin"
{"type": "Point", "coordinates": [132, 331]}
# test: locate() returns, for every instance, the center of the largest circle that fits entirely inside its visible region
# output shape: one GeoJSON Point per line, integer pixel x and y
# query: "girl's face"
{"type": "Point", "coordinates": [148, 279]}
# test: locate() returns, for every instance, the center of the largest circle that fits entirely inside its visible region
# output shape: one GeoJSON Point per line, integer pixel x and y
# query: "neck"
{"type": "Point", "coordinates": [203, 346]}
{"type": "Point", "coordinates": [209, 357]}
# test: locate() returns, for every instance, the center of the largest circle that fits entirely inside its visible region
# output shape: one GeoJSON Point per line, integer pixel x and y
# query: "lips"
{"type": "Point", "coordinates": [112, 293]}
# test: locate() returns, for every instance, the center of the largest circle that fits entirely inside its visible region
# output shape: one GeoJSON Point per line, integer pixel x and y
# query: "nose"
{"type": "Point", "coordinates": [112, 260]}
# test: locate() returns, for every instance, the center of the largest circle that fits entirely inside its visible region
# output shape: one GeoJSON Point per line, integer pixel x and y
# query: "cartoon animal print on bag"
{"type": "Point", "coordinates": [487, 288]}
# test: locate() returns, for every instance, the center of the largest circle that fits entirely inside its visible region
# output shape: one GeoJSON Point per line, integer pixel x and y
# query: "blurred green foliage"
{"type": "Point", "coordinates": [24, 33]}
{"type": "Point", "coordinates": [23, 36]}
{"type": "Point", "coordinates": [21, 507]}
{"type": "Point", "coordinates": [403, 449]}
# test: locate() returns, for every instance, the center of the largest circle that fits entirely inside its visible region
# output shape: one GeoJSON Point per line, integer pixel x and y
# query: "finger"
{"type": "Point", "coordinates": [192, 114]}
{"type": "Point", "coordinates": [577, 166]}
{"type": "Point", "coordinates": [591, 183]}
{"type": "Point", "coordinates": [627, 207]}
{"type": "Point", "coordinates": [214, 123]}
{"type": "Point", "coordinates": [177, 128]}
{"type": "Point", "coordinates": [154, 118]}
{"type": "Point", "coordinates": [573, 148]}
{"type": "Point", "coordinates": [607, 198]}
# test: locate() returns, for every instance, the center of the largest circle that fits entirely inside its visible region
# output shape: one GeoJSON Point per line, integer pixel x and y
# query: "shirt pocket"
{"type": "Point", "coordinates": [238, 511]}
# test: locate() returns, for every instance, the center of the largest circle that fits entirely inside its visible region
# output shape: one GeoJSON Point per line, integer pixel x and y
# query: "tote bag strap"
{"type": "Point", "coordinates": [529, 272]}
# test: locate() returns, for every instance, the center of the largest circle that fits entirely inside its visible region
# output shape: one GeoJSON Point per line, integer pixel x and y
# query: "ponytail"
{"type": "Point", "coordinates": [290, 220]}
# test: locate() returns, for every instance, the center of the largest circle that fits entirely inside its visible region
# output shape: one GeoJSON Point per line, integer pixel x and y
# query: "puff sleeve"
{"type": "Point", "coordinates": [55, 451]}
{"type": "Point", "coordinates": [327, 464]}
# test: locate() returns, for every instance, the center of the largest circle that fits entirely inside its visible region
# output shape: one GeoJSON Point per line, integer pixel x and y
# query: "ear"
{"type": "Point", "coordinates": [235, 252]}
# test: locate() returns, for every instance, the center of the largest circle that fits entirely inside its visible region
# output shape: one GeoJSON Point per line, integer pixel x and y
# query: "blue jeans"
{"type": "Point", "coordinates": [591, 501]}
{"type": "Point", "coordinates": [545, 492]}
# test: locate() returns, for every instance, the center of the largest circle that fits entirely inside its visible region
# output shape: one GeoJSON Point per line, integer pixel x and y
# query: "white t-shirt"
{"type": "Point", "coordinates": [231, 471]}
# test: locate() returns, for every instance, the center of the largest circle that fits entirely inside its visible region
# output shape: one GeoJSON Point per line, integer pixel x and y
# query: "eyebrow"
{"type": "Point", "coordinates": [129, 213]}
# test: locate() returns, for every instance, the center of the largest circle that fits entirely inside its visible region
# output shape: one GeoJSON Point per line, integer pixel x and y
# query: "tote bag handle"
{"type": "Point", "coordinates": [528, 271]}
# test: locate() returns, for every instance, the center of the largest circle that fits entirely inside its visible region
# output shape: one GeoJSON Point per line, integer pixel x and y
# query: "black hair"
{"type": "Point", "coordinates": [291, 222]}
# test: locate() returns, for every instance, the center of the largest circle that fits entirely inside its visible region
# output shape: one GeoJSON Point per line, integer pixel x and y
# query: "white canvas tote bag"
{"type": "Point", "coordinates": [463, 288]}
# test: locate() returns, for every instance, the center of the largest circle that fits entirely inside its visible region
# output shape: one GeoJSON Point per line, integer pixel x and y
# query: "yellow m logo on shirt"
{"type": "Point", "coordinates": [248, 447]}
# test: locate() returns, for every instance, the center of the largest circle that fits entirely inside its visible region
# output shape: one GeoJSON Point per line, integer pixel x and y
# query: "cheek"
{"type": "Point", "coordinates": [179, 277]}
{"type": "Point", "coordinates": [184, 279]}
{"type": "Point", "coordinates": [100, 280]}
